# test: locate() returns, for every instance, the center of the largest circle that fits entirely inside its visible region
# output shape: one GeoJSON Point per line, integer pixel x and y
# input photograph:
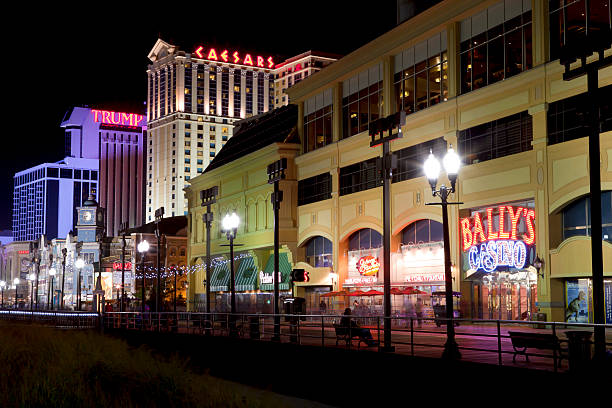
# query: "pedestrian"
{"type": "Point", "coordinates": [323, 306]}
{"type": "Point", "coordinates": [419, 311]}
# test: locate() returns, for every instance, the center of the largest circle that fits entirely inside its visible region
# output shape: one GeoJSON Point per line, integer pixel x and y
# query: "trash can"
{"type": "Point", "coordinates": [580, 349]}
{"type": "Point", "coordinates": [254, 327]}
{"type": "Point", "coordinates": [540, 317]}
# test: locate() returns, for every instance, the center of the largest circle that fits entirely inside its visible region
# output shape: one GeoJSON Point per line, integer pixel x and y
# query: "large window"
{"type": "Point", "coordinates": [410, 159]}
{"type": "Point", "coordinates": [362, 98]}
{"type": "Point", "coordinates": [358, 177]}
{"type": "Point", "coordinates": [313, 189]}
{"type": "Point", "coordinates": [318, 112]}
{"type": "Point", "coordinates": [365, 239]}
{"type": "Point", "coordinates": [577, 217]}
{"type": "Point", "coordinates": [499, 138]}
{"type": "Point", "coordinates": [495, 44]}
{"type": "Point", "coordinates": [568, 119]}
{"type": "Point", "coordinates": [319, 252]}
{"type": "Point", "coordinates": [421, 75]}
{"type": "Point", "coordinates": [568, 21]}
{"type": "Point", "coordinates": [422, 231]}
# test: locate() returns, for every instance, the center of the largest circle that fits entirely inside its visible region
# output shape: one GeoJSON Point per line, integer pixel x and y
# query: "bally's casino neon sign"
{"type": "Point", "coordinates": [487, 250]}
{"type": "Point", "coordinates": [234, 57]}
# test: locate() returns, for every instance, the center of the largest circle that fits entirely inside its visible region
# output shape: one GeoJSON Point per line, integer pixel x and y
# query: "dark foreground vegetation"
{"type": "Point", "coordinates": [45, 367]}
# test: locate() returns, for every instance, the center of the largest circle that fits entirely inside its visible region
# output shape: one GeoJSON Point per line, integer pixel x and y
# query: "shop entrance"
{"type": "Point", "coordinates": [505, 296]}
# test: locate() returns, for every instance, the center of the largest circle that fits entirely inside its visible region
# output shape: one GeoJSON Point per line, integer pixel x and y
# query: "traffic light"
{"type": "Point", "coordinates": [299, 275]}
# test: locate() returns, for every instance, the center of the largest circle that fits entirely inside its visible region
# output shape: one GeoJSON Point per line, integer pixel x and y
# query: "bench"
{"type": "Point", "coordinates": [521, 341]}
{"type": "Point", "coordinates": [345, 334]}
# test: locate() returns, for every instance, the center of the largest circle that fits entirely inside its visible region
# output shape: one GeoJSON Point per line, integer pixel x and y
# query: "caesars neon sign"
{"type": "Point", "coordinates": [117, 118]}
{"type": "Point", "coordinates": [497, 247]}
{"type": "Point", "coordinates": [234, 57]}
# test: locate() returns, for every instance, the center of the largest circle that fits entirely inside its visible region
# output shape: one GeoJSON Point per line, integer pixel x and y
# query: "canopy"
{"type": "Point", "coordinates": [396, 291]}
{"type": "Point", "coordinates": [412, 291]}
{"type": "Point", "coordinates": [357, 293]}
{"type": "Point", "coordinates": [373, 292]}
{"type": "Point", "coordinates": [246, 277]}
{"type": "Point", "coordinates": [285, 271]}
{"type": "Point", "coordinates": [219, 280]}
{"type": "Point", "coordinates": [332, 294]}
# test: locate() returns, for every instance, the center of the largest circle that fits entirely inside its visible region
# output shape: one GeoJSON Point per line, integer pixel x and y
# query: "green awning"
{"type": "Point", "coordinates": [246, 277]}
{"type": "Point", "coordinates": [285, 270]}
{"type": "Point", "coordinates": [219, 280]}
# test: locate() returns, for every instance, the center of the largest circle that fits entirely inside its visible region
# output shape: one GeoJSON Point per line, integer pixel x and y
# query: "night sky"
{"type": "Point", "coordinates": [97, 56]}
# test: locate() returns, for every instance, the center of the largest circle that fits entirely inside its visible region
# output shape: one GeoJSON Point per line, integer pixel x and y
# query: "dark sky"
{"type": "Point", "coordinates": [62, 56]}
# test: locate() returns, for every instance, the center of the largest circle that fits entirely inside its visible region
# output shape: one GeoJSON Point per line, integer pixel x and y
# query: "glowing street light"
{"type": "Point", "coordinates": [143, 247]}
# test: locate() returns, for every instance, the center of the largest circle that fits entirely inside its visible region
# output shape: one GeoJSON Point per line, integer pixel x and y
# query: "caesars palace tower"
{"type": "Point", "coordinates": [193, 103]}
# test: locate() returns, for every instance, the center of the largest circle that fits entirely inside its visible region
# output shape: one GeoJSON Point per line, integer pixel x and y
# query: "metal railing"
{"type": "Point", "coordinates": [60, 319]}
{"type": "Point", "coordinates": [487, 341]}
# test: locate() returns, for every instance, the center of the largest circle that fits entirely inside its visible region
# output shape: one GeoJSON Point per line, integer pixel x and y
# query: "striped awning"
{"type": "Point", "coordinates": [246, 277]}
{"type": "Point", "coordinates": [219, 280]}
{"type": "Point", "coordinates": [285, 270]}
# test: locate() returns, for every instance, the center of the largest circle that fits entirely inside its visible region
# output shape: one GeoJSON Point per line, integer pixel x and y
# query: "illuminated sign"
{"type": "Point", "coordinates": [268, 277]}
{"type": "Point", "coordinates": [117, 266]}
{"type": "Point", "coordinates": [498, 246]}
{"type": "Point", "coordinates": [360, 281]}
{"type": "Point", "coordinates": [118, 118]}
{"type": "Point", "coordinates": [234, 57]}
{"type": "Point", "coordinates": [368, 265]}
{"type": "Point", "coordinates": [424, 277]}
{"type": "Point", "coordinates": [24, 252]}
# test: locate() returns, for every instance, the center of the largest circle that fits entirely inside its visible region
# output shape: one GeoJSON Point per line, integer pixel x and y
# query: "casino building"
{"type": "Point", "coordinates": [484, 77]}
{"type": "Point", "coordinates": [194, 102]}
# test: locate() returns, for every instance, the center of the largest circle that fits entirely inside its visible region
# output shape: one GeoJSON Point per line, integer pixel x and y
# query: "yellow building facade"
{"type": "Point", "coordinates": [548, 178]}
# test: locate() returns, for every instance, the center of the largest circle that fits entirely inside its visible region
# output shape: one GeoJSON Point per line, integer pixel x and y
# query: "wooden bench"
{"type": "Point", "coordinates": [347, 335]}
{"type": "Point", "coordinates": [521, 341]}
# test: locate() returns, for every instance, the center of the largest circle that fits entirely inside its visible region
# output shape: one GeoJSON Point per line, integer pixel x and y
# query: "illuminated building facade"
{"type": "Point", "coordinates": [194, 102]}
{"type": "Point", "coordinates": [116, 140]}
{"type": "Point", "coordinates": [484, 77]}
{"type": "Point", "coordinates": [45, 197]}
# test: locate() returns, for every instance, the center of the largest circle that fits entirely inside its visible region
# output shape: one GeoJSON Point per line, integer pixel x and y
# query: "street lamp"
{"type": "Point", "coordinates": [2, 287]}
{"type": "Point", "coordinates": [31, 278]}
{"type": "Point", "coordinates": [209, 197]}
{"type": "Point", "coordinates": [15, 284]}
{"type": "Point", "coordinates": [143, 247]}
{"type": "Point", "coordinates": [230, 226]}
{"type": "Point", "coordinates": [159, 214]}
{"type": "Point", "coordinates": [64, 253]}
{"type": "Point", "coordinates": [431, 167]}
{"type": "Point", "coordinates": [52, 273]}
{"type": "Point", "coordinates": [79, 264]}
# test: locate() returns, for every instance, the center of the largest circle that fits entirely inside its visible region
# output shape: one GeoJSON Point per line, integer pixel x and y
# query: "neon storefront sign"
{"type": "Point", "coordinates": [117, 266]}
{"type": "Point", "coordinates": [368, 265]}
{"type": "Point", "coordinates": [487, 250]}
{"type": "Point", "coordinates": [117, 118]}
{"type": "Point", "coordinates": [424, 277]}
{"type": "Point", "coordinates": [234, 57]}
{"type": "Point", "coordinates": [363, 280]}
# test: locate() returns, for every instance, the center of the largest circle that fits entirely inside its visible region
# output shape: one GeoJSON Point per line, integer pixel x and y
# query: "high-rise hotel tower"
{"type": "Point", "coordinates": [193, 103]}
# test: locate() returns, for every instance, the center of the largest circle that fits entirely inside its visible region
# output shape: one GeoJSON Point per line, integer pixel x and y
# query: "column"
{"type": "Point", "coordinates": [157, 97]}
{"type": "Point", "coordinates": [219, 108]}
{"type": "Point", "coordinates": [243, 94]}
{"type": "Point", "coordinates": [194, 88]}
{"type": "Point", "coordinates": [266, 106]}
{"type": "Point", "coordinates": [540, 29]}
{"type": "Point", "coordinates": [453, 35]}
{"type": "Point", "coordinates": [230, 96]}
{"type": "Point", "coordinates": [206, 89]}
{"type": "Point", "coordinates": [388, 88]}
{"type": "Point", "coordinates": [255, 92]}
{"type": "Point", "coordinates": [149, 79]}
{"type": "Point", "coordinates": [337, 113]}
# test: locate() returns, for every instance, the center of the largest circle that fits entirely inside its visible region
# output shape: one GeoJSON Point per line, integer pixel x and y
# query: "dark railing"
{"type": "Point", "coordinates": [485, 341]}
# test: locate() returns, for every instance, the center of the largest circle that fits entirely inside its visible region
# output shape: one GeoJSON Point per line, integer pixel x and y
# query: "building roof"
{"type": "Point", "coordinates": [172, 226]}
{"type": "Point", "coordinates": [276, 126]}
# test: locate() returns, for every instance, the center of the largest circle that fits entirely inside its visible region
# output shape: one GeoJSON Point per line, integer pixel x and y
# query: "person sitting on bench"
{"type": "Point", "coordinates": [363, 333]}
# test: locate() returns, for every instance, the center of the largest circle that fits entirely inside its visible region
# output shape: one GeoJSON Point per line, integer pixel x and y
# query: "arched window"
{"type": "Point", "coordinates": [577, 217]}
{"type": "Point", "coordinates": [422, 231]}
{"type": "Point", "coordinates": [366, 238]}
{"type": "Point", "coordinates": [319, 252]}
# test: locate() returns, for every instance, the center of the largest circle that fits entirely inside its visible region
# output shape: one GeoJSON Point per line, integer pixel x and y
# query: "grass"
{"type": "Point", "coordinates": [41, 366]}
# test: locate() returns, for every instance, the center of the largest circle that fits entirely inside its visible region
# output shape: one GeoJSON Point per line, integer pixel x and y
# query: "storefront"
{"type": "Point", "coordinates": [498, 250]}
{"type": "Point", "coordinates": [579, 300]}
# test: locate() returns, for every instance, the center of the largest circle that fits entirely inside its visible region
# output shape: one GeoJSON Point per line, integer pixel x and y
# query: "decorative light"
{"type": "Point", "coordinates": [52, 271]}
{"type": "Point", "coordinates": [79, 263]}
{"type": "Point", "coordinates": [230, 222]}
{"type": "Point", "coordinates": [143, 246]}
{"type": "Point", "coordinates": [432, 167]}
{"type": "Point", "coordinates": [451, 162]}
{"type": "Point", "coordinates": [16, 281]}
{"type": "Point", "coordinates": [2, 284]}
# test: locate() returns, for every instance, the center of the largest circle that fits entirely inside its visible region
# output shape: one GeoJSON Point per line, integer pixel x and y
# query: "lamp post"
{"type": "Point", "coordinates": [79, 264]}
{"type": "Point", "coordinates": [276, 173]}
{"type": "Point", "coordinates": [159, 214]}
{"type": "Point", "coordinates": [432, 171]}
{"type": "Point", "coordinates": [123, 231]}
{"type": "Point", "coordinates": [36, 263]}
{"type": "Point", "coordinates": [15, 285]}
{"type": "Point", "coordinates": [2, 287]}
{"type": "Point", "coordinates": [143, 247]}
{"type": "Point", "coordinates": [595, 38]}
{"type": "Point", "coordinates": [31, 278]}
{"type": "Point", "coordinates": [230, 226]}
{"type": "Point", "coordinates": [209, 197]}
{"type": "Point", "coordinates": [64, 253]}
{"type": "Point", "coordinates": [52, 273]}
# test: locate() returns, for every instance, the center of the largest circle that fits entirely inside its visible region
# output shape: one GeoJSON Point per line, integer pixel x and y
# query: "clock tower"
{"type": "Point", "coordinates": [90, 221]}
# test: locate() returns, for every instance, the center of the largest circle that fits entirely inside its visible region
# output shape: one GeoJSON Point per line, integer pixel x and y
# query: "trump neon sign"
{"type": "Point", "coordinates": [234, 57]}
{"type": "Point", "coordinates": [118, 118]}
{"type": "Point", "coordinates": [495, 246]}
